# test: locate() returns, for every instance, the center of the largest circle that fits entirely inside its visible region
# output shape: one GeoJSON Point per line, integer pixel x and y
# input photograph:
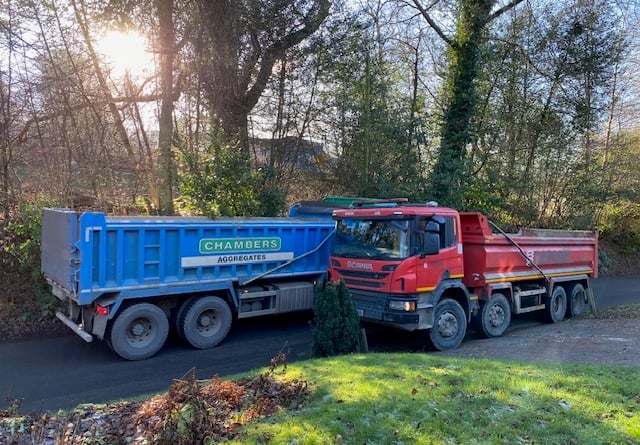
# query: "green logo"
{"type": "Point", "coordinates": [226, 245]}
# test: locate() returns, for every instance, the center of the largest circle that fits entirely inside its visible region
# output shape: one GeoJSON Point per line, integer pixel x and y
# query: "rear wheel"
{"type": "Point", "coordinates": [577, 300]}
{"type": "Point", "coordinates": [139, 331]}
{"type": "Point", "coordinates": [449, 325]}
{"type": "Point", "coordinates": [178, 316]}
{"type": "Point", "coordinates": [205, 322]}
{"type": "Point", "coordinates": [556, 306]}
{"type": "Point", "coordinates": [494, 317]}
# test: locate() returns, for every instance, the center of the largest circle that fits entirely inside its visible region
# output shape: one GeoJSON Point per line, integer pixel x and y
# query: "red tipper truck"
{"type": "Point", "coordinates": [424, 267]}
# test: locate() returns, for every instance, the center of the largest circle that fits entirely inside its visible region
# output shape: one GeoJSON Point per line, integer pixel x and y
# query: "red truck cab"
{"type": "Point", "coordinates": [398, 261]}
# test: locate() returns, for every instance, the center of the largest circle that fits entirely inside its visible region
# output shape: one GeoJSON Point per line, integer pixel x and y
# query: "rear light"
{"type": "Point", "coordinates": [102, 310]}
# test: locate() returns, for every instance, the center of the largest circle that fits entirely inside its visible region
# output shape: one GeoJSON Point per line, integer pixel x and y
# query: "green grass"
{"type": "Point", "coordinates": [421, 399]}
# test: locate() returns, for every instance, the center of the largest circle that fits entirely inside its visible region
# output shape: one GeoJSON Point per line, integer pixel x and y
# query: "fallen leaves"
{"type": "Point", "coordinates": [192, 412]}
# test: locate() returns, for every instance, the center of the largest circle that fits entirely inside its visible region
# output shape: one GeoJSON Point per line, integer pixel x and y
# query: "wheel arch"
{"type": "Point", "coordinates": [569, 281]}
{"type": "Point", "coordinates": [455, 290]}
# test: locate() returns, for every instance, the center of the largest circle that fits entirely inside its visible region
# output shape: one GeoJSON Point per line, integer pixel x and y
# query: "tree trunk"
{"type": "Point", "coordinates": [4, 180]}
{"type": "Point", "coordinates": [165, 176]}
{"type": "Point", "coordinates": [448, 174]}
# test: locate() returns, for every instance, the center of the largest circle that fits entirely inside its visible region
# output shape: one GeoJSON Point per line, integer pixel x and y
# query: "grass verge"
{"type": "Point", "coordinates": [420, 399]}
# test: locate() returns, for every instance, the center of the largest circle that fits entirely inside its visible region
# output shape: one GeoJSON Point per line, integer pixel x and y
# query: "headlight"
{"type": "Point", "coordinates": [408, 306]}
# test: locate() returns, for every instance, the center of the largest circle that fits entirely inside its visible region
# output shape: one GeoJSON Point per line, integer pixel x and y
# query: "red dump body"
{"type": "Point", "coordinates": [493, 258]}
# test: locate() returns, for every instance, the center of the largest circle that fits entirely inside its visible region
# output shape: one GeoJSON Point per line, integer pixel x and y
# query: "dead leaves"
{"type": "Point", "coordinates": [192, 412]}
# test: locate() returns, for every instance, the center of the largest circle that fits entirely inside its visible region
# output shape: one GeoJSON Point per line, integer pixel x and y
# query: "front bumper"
{"type": "Point", "coordinates": [374, 308]}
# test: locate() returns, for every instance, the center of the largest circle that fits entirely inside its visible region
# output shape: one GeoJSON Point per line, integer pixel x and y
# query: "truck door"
{"type": "Point", "coordinates": [437, 263]}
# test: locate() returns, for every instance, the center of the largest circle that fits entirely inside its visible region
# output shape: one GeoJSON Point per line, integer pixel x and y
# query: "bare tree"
{"type": "Point", "coordinates": [8, 28]}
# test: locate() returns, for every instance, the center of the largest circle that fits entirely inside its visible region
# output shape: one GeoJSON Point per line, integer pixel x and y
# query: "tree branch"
{"type": "Point", "coordinates": [432, 23]}
{"type": "Point", "coordinates": [504, 9]}
{"type": "Point", "coordinates": [311, 24]}
{"type": "Point", "coordinates": [46, 117]}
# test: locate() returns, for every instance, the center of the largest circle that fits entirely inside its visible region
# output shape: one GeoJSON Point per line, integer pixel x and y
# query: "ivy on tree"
{"type": "Point", "coordinates": [337, 325]}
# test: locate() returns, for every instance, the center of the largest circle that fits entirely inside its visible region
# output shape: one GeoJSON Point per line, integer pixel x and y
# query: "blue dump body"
{"type": "Point", "coordinates": [129, 280]}
{"type": "Point", "coordinates": [91, 254]}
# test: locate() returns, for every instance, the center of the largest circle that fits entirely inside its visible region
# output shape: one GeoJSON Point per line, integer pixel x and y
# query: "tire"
{"type": "Point", "coordinates": [494, 317]}
{"type": "Point", "coordinates": [139, 331]}
{"type": "Point", "coordinates": [449, 325]}
{"type": "Point", "coordinates": [556, 306]}
{"type": "Point", "coordinates": [205, 322]}
{"type": "Point", "coordinates": [178, 315]}
{"type": "Point", "coordinates": [578, 303]}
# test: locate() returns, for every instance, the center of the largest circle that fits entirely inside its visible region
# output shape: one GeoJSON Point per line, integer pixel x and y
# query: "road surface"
{"type": "Point", "coordinates": [62, 372]}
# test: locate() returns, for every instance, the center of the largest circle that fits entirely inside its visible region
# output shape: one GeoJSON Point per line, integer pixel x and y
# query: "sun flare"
{"type": "Point", "coordinates": [126, 53]}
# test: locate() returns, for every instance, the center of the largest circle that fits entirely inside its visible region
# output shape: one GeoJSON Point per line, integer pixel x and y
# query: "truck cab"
{"type": "Point", "coordinates": [403, 264]}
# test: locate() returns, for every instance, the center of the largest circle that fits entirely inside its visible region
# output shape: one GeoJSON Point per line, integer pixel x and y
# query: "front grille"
{"type": "Point", "coordinates": [361, 274]}
{"type": "Point", "coordinates": [361, 283]}
{"type": "Point", "coordinates": [368, 302]}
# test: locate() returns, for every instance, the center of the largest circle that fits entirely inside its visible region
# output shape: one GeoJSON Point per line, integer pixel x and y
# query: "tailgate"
{"type": "Point", "coordinates": [58, 251]}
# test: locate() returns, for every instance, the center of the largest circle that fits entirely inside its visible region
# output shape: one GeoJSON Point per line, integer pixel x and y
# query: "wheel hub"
{"type": "Point", "coordinates": [447, 325]}
{"type": "Point", "coordinates": [138, 329]}
{"type": "Point", "coordinates": [205, 321]}
{"type": "Point", "coordinates": [496, 316]}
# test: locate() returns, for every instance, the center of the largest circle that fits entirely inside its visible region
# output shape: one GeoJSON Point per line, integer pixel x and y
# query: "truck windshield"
{"type": "Point", "coordinates": [361, 238]}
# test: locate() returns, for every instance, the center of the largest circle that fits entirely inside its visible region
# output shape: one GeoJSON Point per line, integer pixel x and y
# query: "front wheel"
{"type": "Point", "coordinates": [449, 325]}
{"type": "Point", "coordinates": [139, 331]}
{"type": "Point", "coordinates": [205, 322]}
{"type": "Point", "coordinates": [556, 306]}
{"type": "Point", "coordinates": [494, 317]}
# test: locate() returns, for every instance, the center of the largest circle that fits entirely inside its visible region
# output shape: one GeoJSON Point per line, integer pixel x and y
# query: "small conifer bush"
{"type": "Point", "coordinates": [337, 325]}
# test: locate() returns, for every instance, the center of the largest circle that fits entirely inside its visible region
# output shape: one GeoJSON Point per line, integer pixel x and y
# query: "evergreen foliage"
{"type": "Point", "coordinates": [222, 182]}
{"type": "Point", "coordinates": [337, 325]}
{"type": "Point", "coordinates": [21, 240]}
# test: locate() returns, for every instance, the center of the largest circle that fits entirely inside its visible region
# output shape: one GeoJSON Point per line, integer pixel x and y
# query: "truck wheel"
{"type": "Point", "coordinates": [139, 331]}
{"type": "Point", "coordinates": [179, 315]}
{"type": "Point", "coordinates": [449, 325]}
{"type": "Point", "coordinates": [205, 322]}
{"type": "Point", "coordinates": [556, 306]}
{"type": "Point", "coordinates": [577, 300]}
{"type": "Point", "coordinates": [494, 317]}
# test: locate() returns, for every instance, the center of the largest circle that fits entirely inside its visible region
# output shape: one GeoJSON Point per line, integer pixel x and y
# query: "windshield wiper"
{"type": "Point", "coordinates": [382, 256]}
{"type": "Point", "coordinates": [348, 255]}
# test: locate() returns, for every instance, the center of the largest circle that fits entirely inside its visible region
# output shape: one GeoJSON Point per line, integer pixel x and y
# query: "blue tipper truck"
{"type": "Point", "coordinates": [127, 280]}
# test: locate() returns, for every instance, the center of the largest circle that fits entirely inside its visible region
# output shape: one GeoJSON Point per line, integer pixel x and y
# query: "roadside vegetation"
{"type": "Point", "coordinates": [366, 399]}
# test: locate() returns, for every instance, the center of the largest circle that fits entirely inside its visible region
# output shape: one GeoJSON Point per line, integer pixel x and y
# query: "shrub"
{"type": "Point", "coordinates": [337, 325]}
{"type": "Point", "coordinates": [20, 259]}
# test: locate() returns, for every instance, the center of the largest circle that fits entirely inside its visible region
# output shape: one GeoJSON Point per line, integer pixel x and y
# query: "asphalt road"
{"type": "Point", "coordinates": [62, 372]}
